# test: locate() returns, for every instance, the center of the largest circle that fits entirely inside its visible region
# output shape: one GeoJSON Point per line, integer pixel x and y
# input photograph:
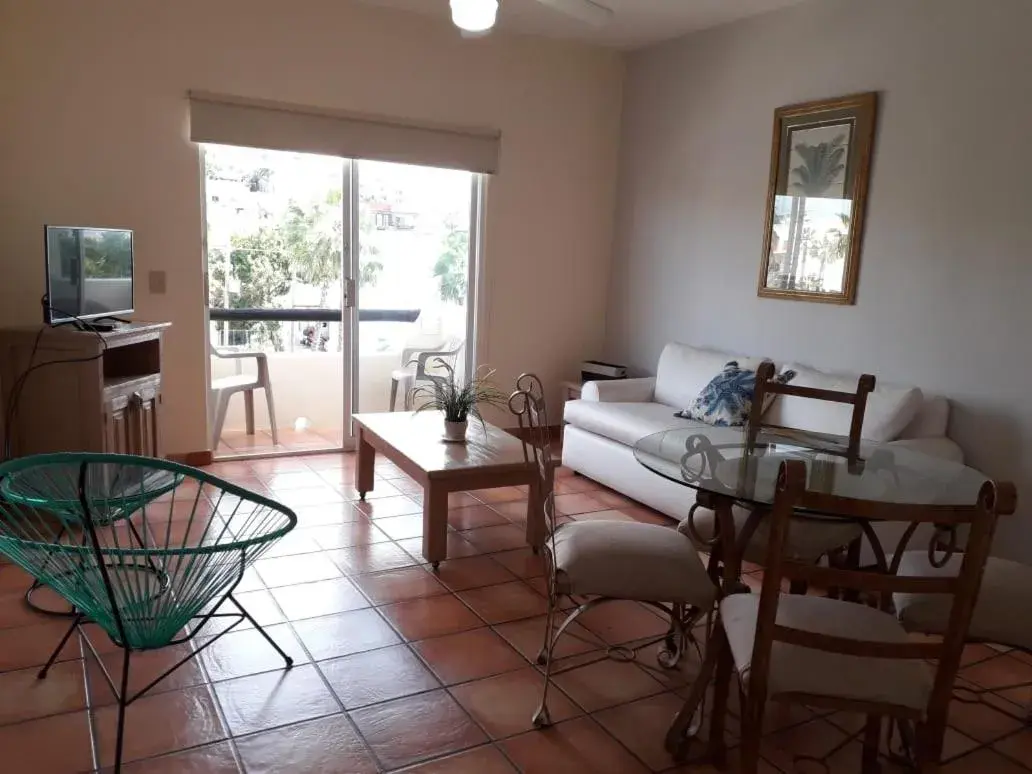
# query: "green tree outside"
{"type": "Point", "coordinates": [260, 264]}
{"type": "Point", "coordinates": [452, 266]}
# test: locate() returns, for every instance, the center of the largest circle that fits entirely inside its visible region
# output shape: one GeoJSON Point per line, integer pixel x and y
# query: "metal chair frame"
{"type": "Point", "coordinates": [528, 405]}
{"type": "Point", "coordinates": [138, 556]}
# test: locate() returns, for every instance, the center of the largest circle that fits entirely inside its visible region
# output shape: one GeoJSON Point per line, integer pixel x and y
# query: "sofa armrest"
{"type": "Point", "coordinates": [942, 447]}
{"type": "Point", "coordinates": [620, 390]}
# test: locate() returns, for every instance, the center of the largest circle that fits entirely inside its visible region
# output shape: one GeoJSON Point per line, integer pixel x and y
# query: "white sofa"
{"type": "Point", "coordinates": [603, 426]}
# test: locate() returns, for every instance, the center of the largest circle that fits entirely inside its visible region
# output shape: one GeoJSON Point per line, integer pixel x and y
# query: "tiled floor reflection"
{"type": "Point", "coordinates": [400, 669]}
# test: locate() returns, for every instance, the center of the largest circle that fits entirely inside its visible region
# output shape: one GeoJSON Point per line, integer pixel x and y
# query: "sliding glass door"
{"type": "Point", "coordinates": [330, 278]}
{"type": "Point", "coordinates": [415, 232]}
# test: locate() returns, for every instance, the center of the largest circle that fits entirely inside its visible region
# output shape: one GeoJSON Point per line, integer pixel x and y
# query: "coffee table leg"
{"type": "Point", "coordinates": [365, 467]}
{"type": "Point", "coordinates": [435, 524]}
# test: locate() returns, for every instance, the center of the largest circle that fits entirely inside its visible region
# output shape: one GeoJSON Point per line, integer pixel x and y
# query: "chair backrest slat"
{"type": "Point", "coordinates": [836, 577]}
{"type": "Point", "coordinates": [980, 518]}
{"type": "Point", "coordinates": [822, 502]}
{"type": "Point", "coordinates": [814, 393]}
{"type": "Point", "coordinates": [860, 648]}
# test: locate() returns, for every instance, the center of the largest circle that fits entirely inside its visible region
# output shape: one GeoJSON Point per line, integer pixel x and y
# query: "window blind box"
{"type": "Point", "coordinates": [228, 120]}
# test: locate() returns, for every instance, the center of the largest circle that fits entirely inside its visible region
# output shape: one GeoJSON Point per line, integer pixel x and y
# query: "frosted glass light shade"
{"type": "Point", "coordinates": [476, 16]}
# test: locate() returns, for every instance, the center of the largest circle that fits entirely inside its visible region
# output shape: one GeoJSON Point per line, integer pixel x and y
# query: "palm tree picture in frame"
{"type": "Point", "coordinates": [819, 168]}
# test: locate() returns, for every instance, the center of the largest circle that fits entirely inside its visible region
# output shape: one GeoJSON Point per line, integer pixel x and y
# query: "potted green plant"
{"type": "Point", "coordinates": [457, 402]}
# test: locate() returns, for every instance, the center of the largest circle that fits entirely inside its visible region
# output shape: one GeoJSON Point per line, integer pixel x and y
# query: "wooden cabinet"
{"type": "Point", "coordinates": [147, 410]}
{"type": "Point", "coordinates": [116, 425]}
{"type": "Point", "coordinates": [131, 411]}
{"type": "Point", "coordinates": [97, 392]}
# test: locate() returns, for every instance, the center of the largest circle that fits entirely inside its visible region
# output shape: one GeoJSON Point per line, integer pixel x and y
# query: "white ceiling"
{"type": "Point", "coordinates": [635, 23]}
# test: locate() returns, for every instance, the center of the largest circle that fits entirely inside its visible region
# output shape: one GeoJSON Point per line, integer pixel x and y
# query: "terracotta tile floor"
{"type": "Point", "coordinates": [398, 669]}
{"type": "Point", "coordinates": [237, 442]}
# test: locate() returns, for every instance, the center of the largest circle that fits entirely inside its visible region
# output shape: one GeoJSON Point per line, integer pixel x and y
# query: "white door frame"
{"type": "Point", "coordinates": [349, 299]}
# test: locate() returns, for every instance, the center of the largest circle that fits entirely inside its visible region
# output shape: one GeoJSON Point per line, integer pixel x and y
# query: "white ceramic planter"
{"type": "Point", "coordinates": [455, 431]}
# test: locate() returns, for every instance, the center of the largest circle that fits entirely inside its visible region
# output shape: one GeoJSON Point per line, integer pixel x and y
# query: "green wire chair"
{"type": "Point", "coordinates": [149, 550]}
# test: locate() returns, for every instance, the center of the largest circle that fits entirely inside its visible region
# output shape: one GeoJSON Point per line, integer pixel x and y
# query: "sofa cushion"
{"type": "Point", "coordinates": [684, 370]}
{"type": "Point", "coordinates": [626, 423]}
{"type": "Point", "coordinates": [889, 408]}
{"type": "Point", "coordinates": [931, 419]}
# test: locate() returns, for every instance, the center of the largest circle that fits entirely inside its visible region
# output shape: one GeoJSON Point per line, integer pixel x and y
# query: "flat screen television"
{"type": "Point", "coordinates": [89, 273]}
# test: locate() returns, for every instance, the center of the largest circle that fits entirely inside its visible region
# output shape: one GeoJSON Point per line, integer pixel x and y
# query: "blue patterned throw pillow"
{"type": "Point", "coordinates": [727, 400]}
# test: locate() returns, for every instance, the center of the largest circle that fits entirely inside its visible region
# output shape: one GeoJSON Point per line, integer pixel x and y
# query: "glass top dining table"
{"type": "Point", "coordinates": [728, 463]}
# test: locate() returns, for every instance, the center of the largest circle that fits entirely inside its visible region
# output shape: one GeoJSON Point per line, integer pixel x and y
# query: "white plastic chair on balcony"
{"type": "Point", "coordinates": [414, 361]}
{"type": "Point", "coordinates": [225, 387]}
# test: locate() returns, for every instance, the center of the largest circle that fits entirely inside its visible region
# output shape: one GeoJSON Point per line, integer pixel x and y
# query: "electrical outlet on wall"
{"type": "Point", "coordinates": [156, 282]}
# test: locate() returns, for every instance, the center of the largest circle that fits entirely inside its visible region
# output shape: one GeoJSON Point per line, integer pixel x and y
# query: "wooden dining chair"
{"type": "Point", "coordinates": [812, 539]}
{"type": "Point", "coordinates": [767, 385]}
{"type": "Point", "coordinates": [845, 656]}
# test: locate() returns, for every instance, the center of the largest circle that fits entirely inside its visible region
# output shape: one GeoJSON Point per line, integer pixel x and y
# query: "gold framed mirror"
{"type": "Point", "coordinates": [819, 169]}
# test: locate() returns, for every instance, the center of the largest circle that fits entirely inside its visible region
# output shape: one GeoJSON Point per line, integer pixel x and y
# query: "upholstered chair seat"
{"type": "Point", "coordinates": [808, 671]}
{"type": "Point", "coordinates": [630, 560]}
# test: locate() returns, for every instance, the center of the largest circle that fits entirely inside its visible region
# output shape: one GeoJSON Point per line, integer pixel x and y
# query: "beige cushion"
{"type": "Point", "coordinates": [931, 420]}
{"type": "Point", "coordinates": [794, 669]}
{"type": "Point", "coordinates": [1001, 614]}
{"type": "Point", "coordinates": [889, 408]}
{"type": "Point", "coordinates": [683, 371]}
{"type": "Point", "coordinates": [629, 560]}
{"type": "Point", "coordinates": [808, 539]}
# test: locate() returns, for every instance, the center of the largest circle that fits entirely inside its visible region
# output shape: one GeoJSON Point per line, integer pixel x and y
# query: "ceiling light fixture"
{"type": "Point", "coordinates": [474, 17]}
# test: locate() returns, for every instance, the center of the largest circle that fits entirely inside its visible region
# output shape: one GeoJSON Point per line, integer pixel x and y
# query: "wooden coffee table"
{"type": "Point", "coordinates": [490, 458]}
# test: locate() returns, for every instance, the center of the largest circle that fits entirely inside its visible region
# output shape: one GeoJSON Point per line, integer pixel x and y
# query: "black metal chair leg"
{"type": "Point", "coordinates": [60, 646]}
{"type": "Point", "coordinates": [122, 696]}
{"type": "Point", "coordinates": [289, 661]}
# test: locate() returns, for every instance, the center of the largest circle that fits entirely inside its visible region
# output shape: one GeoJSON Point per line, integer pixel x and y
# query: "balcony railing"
{"type": "Point", "coordinates": [309, 328]}
{"type": "Point", "coordinates": [312, 315]}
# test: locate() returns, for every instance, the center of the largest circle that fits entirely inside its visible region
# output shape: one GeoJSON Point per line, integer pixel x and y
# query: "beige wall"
{"type": "Point", "coordinates": [946, 273]}
{"type": "Point", "coordinates": [94, 124]}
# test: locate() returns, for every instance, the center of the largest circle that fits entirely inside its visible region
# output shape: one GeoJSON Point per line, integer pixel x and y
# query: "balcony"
{"type": "Point", "coordinates": [307, 369]}
{"type": "Point", "coordinates": [294, 237]}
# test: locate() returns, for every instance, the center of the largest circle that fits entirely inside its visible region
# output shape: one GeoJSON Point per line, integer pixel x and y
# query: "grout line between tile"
{"type": "Point", "coordinates": [329, 687]}
{"type": "Point", "coordinates": [448, 689]}
{"type": "Point", "coordinates": [210, 685]}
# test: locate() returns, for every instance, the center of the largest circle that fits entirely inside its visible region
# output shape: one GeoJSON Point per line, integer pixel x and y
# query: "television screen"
{"type": "Point", "coordinates": [89, 272]}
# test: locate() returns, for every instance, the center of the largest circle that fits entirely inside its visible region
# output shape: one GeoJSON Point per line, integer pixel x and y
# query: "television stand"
{"type": "Point", "coordinates": [115, 321]}
{"type": "Point", "coordinates": [91, 326]}
{"type": "Point", "coordinates": [99, 391]}
{"type": "Point", "coordinates": [96, 325]}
